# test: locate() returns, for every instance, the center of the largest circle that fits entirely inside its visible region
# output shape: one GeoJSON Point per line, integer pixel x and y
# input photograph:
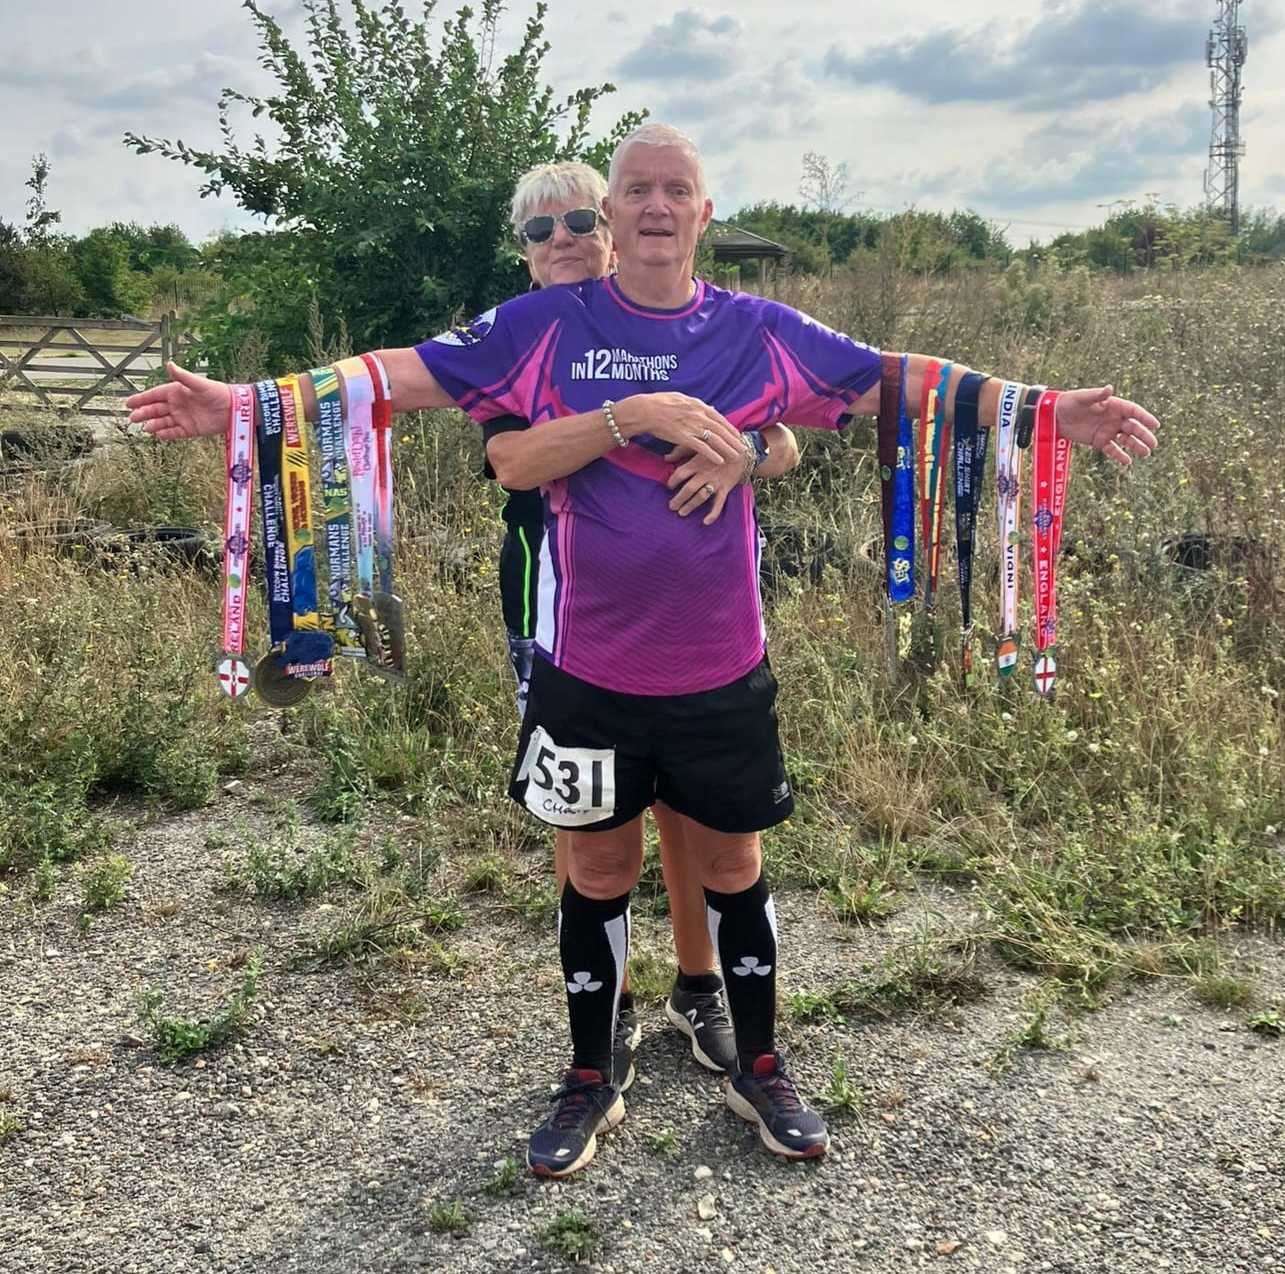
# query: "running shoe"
{"type": "Point", "coordinates": [702, 1017]}
{"type": "Point", "coordinates": [583, 1107]}
{"type": "Point", "coordinates": [628, 1033]}
{"type": "Point", "coordinates": [766, 1095]}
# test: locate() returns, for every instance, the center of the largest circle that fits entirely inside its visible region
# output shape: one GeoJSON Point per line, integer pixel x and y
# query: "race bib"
{"type": "Point", "coordinates": [568, 787]}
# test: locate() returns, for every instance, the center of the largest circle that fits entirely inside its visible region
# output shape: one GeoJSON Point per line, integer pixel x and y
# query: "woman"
{"type": "Point", "coordinates": [557, 218]}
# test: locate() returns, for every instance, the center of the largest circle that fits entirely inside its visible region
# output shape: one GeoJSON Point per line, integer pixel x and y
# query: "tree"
{"type": "Point", "coordinates": [387, 188]}
{"type": "Point", "coordinates": [824, 185]}
{"type": "Point", "coordinates": [40, 217]}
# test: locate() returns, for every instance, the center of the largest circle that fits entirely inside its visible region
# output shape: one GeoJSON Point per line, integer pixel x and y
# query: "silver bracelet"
{"type": "Point", "coordinates": [751, 460]}
{"type": "Point", "coordinates": [610, 417]}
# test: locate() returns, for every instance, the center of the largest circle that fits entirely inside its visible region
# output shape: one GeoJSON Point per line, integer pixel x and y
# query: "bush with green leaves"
{"type": "Point", "coordinates": [390, 183]}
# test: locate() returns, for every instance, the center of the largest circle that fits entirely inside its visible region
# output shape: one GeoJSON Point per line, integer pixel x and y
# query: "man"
{"type": "Point", "coordinates": [557, 217]}
{"type": "Point", "coordinates": [651, 680]}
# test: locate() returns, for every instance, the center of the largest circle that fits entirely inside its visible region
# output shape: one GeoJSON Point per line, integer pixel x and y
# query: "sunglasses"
{"type": "Point", "coordinates": [578, 221]}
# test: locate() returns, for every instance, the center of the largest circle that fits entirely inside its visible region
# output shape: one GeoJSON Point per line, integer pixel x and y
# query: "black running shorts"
{"type": "Point", "coordinates": [593, 759]}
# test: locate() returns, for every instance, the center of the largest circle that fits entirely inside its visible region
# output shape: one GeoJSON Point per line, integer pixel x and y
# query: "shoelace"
{"type": "Point", "coordinates": [573, 1100]}
{"type": "Point", "coordinates": [780, 1088]}
{"type": "Point", "coordinates": [711, 1009]}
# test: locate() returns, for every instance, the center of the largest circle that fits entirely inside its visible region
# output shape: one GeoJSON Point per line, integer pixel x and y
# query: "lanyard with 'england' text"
{"type": "Point", "coordinates": [233, 672]}
{"type": "Point", "coordinates": [1052, 471]}
{"type": "Point", "coordinates": [386, 630]}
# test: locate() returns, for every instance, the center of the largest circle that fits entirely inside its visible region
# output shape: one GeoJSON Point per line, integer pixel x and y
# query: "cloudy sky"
{"type": "Point", "coordinates": [1037, 120]}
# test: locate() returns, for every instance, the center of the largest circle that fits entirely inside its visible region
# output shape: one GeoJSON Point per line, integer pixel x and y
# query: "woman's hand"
{"type": "Point", "coordinates": [693, 427]}
{"type": "Point", "coordinates": [696, 481]}
{"type": "Point", "coordinates": [1096, 418]}
{"type": "Point", "coordinates": [189, 406]}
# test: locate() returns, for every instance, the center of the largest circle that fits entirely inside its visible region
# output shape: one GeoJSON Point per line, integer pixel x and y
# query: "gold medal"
{"type": "Point", "coordinates": [277, 687]}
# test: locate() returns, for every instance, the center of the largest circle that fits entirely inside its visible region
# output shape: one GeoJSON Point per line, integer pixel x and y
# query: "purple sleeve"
{"type": "Point", "coordinates": [491, 365]}
{"type": "Point", "coordinates": [824, 371]}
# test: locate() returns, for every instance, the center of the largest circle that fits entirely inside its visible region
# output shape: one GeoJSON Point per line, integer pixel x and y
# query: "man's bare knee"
{"type": "Point", "coordinates": [603, 869]}
{"type": "Point", "coordinates": [734, 866]}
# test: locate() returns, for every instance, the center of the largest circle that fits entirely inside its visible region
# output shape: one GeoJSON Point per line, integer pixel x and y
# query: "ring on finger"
{"type": "Point", "coordinates": [708, 488]}
{"type": "Point", "coordinates": [704, 435]}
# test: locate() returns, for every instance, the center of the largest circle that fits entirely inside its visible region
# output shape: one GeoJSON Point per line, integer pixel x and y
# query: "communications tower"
{"type": "Point", "coordinates": [1225, 51]}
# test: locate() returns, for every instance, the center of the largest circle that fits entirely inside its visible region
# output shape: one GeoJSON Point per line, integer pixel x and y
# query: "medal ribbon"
{"type": "Point", "coordinates": [360, 391]}
{"type": "Point", "coordinates": [236, 517]}
{"type": "Point", "coordinates": [1052, 475]}
{"type": "Point", "coordinates": [896, 471]}
{"type": "Point", "coordinates": [970, 464]}
{"type": "Point", "coordinates": [298, 491]}
{"type": "Point", "coordinates": [1008, 505]}
{"type": "Point", "coordinates": [935, 428]}
{"type": "Point", "coordinates": [382, 419]}
{"type": "Point", "coordinates": [276, 553]}
{"type": "Point", "coordinates": [336, 503]}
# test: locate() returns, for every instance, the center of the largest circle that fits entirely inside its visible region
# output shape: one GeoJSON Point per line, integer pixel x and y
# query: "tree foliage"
{"type": "Point", "coordinates": [387, 181]}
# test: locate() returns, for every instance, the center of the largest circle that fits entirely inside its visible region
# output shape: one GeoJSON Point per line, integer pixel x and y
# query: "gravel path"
{"type": "Point", "coordinates": [1156, 1141]}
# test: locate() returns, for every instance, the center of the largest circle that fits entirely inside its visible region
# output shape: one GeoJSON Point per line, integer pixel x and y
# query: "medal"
{"type": "Point", "coordinates": [1008, 504]}
{"type": "Point", "coordinates": [236, 539]}
{"type": "Point", "coordinates": [275, 685]}
{"type": "Point", "coordinates": [234, 676]}
{"type": "Point", "coordinates": [1045, 675]}
{"type": "Point", "coordinates": [1052, 467]}
{"type": "Point", "coordinates": [389, 627]}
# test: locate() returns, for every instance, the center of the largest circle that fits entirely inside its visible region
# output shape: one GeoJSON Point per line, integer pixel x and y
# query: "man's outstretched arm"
{"type": "Point", "coordinates": [1120, 429]}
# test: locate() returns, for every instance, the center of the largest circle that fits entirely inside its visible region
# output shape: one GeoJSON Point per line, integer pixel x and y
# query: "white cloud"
{"type": "Point", "coordinates": [747, 79]}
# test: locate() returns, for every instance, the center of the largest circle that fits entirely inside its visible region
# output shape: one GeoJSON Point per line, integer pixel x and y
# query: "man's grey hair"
{"type": "Point", "coordinates": [658, 135]}
{"type": "Point", "coordinates": [570, 183]}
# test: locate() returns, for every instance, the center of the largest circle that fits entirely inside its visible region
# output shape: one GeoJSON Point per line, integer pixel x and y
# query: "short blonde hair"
{"type": "Point", "coordinates": [658, 135]}
{"type": "Point", "coordinates": [564, 182]}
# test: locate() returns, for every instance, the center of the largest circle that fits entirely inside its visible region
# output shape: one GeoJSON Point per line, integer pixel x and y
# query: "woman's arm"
{"type": "Point", "coordinates": [527, 458]}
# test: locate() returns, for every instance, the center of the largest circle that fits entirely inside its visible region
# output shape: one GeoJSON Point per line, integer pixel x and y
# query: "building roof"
{"type": "Point", "coordinates": [731, 243]}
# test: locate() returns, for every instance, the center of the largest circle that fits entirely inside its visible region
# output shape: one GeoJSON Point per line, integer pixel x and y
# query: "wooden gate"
{"type": "Point", "coordinates": [114, 361]}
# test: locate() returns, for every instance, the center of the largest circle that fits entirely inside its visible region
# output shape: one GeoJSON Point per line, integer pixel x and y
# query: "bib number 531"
{"type": "Point", "coordinates": [568, 787]}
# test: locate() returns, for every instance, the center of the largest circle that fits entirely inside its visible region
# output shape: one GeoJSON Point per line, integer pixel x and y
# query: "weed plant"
{"type": "Point", "coordinates": [1141, 809]}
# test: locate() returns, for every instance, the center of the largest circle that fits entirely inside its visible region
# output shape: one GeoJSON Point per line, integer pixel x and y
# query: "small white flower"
{"type": "Point", "coordinates": [912, 740]}
{"type": "Point", "coordinates": [1262, 751]}
{"type": "Point", "coordinates": [1095, 748]}
{"type": "Point", "coordinates": [1072, 735]}
{"type": "Point", "coordinates": [1005, 716]}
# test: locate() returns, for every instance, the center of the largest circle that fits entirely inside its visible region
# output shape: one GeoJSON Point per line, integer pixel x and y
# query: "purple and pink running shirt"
{"type": "Point", "coordinates": [632, 597]}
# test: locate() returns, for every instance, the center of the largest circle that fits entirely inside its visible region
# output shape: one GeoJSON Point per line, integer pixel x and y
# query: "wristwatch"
{"type": "Point", "coordinates": [761, 449]}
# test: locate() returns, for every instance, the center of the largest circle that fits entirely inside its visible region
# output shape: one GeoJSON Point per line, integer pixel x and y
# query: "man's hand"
{"type": "Point", "coordinates": [189, 406]}
{"type": "Point", "coordinates": [1119, 429]}
{"type": "Point", "coordinates": [686, 422]}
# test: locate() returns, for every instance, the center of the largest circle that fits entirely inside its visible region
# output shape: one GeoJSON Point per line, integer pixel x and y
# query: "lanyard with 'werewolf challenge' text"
{"type": "Point", "coordinates": [1052, 473]}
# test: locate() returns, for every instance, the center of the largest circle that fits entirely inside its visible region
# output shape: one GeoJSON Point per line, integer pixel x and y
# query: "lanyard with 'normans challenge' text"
{"type": "Point", "coordinates": [276, 553]}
